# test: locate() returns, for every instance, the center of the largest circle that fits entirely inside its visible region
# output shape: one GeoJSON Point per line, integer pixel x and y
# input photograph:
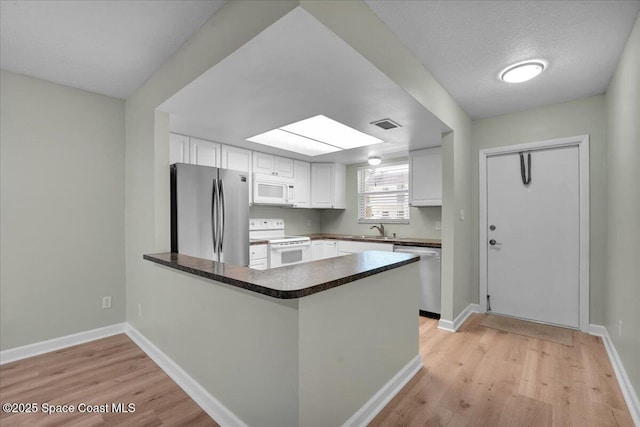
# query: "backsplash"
{"type": "Point", "coordinates": [297, 221]}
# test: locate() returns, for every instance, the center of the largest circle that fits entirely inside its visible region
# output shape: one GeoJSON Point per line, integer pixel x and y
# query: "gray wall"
{"type": "Point", "coordinates": [623, 208]}
{"type": "Point", "coordinates": [62, 198]}
{"type": "Point", "coordinates": [345, 221]}
{"type": "Point", "coordinates": [584, 116]}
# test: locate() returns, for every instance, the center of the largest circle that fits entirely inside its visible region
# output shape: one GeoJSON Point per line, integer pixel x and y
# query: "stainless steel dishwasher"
{"type": "Point", "coordinates": [429, 278]}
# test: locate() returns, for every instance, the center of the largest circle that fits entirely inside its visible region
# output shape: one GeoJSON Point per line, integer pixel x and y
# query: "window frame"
{"type": "Point", "coordinates": [359, 197]}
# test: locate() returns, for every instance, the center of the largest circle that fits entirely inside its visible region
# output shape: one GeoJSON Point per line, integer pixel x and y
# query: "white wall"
{"type": "Point", "coordinates": [623, 208]}
{"type": "Point", "coordinates": [62, 201]}
{"type": "Point", "coordinates": [584, 116]}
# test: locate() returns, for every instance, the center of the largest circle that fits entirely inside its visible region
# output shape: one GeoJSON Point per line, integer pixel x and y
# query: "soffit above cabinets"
{"type": "Point", "coordinates": [296, 69]}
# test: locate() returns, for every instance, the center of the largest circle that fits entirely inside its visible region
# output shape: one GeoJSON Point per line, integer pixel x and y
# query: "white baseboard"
{"type": "Point", "coordinates": [216, 410]}
{"type": "Point", "coordinates": [18, 353]}
{"type": "Point", "coordinates": [369, 410]}
{"type": "Point", "coordinates": [628, 392]}
{"type": "Point", "coordinates": [448, 325]}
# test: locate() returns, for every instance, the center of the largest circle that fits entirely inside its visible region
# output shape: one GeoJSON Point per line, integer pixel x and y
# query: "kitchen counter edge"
{"type": "Point", "coordinates": [401, 241]}
{"type": "Point", "coordinates": [321, 274]}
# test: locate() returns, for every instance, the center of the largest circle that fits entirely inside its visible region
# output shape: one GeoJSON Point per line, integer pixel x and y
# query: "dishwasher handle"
{"type": "Point", "coordinates": [416, 251]}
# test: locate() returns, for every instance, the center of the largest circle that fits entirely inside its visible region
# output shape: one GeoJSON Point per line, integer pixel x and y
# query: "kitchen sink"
{"type": "Point", "coordinates": [376, 237]}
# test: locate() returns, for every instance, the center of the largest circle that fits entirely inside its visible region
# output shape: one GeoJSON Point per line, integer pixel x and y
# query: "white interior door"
{"type": "Point", "coordinates": [533, 236]}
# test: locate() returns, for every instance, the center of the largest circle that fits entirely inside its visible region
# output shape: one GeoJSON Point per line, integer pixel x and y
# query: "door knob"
{"type": "Point", "coordinates": [493, 242]}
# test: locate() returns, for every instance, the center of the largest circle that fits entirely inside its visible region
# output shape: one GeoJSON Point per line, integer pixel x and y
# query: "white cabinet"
{"type": "Point", "coordinates": [272, 165]}
{"type": "Point", "coordinates": [204, 153]}
{"type": "Point", "coordinates": [238, 159]}
{"type": "Point", "coordinates": [178, 148]}
{"type": "Point", "coordinates": [258, 257]}
{"type": "Point", "coordinates": [328, 182]}
{"type": "Point", "coordinates": [346, 247]}
{"type": "Point", "coordinates": [321, 249]}
{"type": "Point", "coordinates": [185, 149]}
{"type": "Point", "coordinates": [425, 175]}
{"type": "Point", "coordinates": [302, 184]}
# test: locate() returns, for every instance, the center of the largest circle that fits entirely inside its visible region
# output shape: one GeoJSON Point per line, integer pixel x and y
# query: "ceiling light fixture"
{"type": "Point", "coordinates": [374, 160]}
{"type": "Point", "coordinates": [315, 136]}
{"type": "Point", "coordinates": [523, 71]}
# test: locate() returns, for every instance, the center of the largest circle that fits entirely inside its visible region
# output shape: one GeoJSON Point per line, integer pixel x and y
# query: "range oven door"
{"type": "Point", "coordinates": [289, 253]}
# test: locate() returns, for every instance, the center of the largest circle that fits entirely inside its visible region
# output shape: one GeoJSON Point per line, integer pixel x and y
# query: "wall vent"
{"type": "Point", "coordinates": [386, 124]}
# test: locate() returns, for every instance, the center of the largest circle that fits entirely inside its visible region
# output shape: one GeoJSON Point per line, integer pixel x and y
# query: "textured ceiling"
{"type": "Point", "coordinates": [465, 44]}
{"type": "Point", "coordinates": [108, 47]}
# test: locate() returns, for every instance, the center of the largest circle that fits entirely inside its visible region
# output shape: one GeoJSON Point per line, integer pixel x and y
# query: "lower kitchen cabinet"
{"type": "Point", "coordinates": [346, 247]}
{"type": "Point", "coordinates": [321, 249]}
{"type": "Point", "coordinates": [258, 257]}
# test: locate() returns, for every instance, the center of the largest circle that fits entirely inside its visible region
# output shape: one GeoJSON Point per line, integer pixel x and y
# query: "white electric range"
{"type": "Point", "coordinates": [282, 249]}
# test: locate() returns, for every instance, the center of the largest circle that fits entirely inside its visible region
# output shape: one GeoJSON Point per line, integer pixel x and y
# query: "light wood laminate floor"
{"type": "Point", "coordinates": [109, 370]}
{"type": "Point", "coordinates": [476, 377]}
{"type": "Point", "coordinates": [485, 377]}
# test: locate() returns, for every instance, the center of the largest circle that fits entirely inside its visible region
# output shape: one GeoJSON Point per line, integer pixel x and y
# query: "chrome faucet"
{"type": "Point", "coordinates": [380, 229]}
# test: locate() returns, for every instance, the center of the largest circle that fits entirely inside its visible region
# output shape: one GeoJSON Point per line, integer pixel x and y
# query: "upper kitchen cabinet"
{"type": "Point", "coordinates": [328, 185]}
{"type": "Point", "coordinates": [272, 165]}
{"type": "Point", "coordinates": [184, 149]}
{"type": "Point", "coordinates": [302, 184]}
{"type": "Point", "coordinates": [238, 159]}
{"type": "Point", "coordinates": [425, 175]}
{"type": "Point", "coordinates": [204, 153]}
{"type": "Point", "coordinates": [178, 148]}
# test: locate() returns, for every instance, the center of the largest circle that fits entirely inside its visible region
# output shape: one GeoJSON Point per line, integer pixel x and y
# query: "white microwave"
{"type": "Point", "coordinates": [271, 190]}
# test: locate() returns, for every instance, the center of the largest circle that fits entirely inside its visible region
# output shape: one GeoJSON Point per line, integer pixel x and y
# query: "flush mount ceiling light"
{"type": "Point", "coordinates": [314, 136]}
{"type": "Point", "coordinates": [523, 71]}
{"type": "Point", "coordinates": [374, 160]}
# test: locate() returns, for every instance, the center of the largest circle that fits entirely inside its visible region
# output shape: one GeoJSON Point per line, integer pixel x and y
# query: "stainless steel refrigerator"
{"type": "Point", "coordinates": [210, 213]}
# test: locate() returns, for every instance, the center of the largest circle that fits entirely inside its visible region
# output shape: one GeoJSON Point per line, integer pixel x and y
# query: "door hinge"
{"type": "Point", "coordinates": [488, 302]}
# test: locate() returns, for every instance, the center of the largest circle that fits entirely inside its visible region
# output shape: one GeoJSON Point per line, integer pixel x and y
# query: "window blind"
{"type": "Point", "coordinates": [383, 193]}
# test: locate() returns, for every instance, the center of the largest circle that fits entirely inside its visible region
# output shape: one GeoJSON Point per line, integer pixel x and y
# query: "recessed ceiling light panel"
{"type": "Point", "coordinates": [324, 129]}
{"type": "Point", "coordinates": [283, 140]}
{"type": "Point", "coordinates": [315, 136]}
{"type": "Point", "coordinates": [523, 71]}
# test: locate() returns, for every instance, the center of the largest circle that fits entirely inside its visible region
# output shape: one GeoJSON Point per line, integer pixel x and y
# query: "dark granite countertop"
{"type": "Point", "coordinates": [403, 241]}
{"type": "Point", "coordinates": [294, 281]}
{"type": "Point", "coordinates": [258, 242]}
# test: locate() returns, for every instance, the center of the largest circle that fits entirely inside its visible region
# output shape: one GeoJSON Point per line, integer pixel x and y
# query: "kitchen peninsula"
{"type": "Point", "coordinates": [332, 339]}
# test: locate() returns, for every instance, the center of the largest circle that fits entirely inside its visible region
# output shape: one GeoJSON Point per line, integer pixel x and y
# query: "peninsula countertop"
{"type": "Point", "coordinates": [294, 281]}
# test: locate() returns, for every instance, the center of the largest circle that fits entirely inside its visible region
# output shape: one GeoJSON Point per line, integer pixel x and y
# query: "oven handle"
{"type": "Point", "coordinates": [301, 245]}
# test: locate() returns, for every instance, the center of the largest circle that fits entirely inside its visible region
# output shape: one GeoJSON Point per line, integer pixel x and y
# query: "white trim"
{"type": "Point", "coordinates": [448, 325]}
{"type": "Point", "coordinates": [369, 410]}
{"type": "Point", "coordinates": [582, 142]}
{"type": "Point", "coordinates": [30, 350]}
{"type": "Point", "coordinates": [212, 406]}
{"type": "Point", "coordinates": [626, 387]}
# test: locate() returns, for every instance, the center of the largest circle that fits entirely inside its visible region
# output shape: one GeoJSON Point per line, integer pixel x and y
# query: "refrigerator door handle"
{"type": "Point", "coordinates": [221, 217]}
{"type": "Point", "coordinates": [214, 216]}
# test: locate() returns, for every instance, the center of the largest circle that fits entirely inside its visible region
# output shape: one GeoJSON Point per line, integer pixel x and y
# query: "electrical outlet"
{"type": "Point", "coordinates": [461, 214]}
{"type": "Point", "coordinates": [106, 302]}
{"type": "Point", "coordinates": [438, 225]}
{"type": "Point", "coordinates": [619, 328]}
{"type": "Point", "coordinates": [139, 310]}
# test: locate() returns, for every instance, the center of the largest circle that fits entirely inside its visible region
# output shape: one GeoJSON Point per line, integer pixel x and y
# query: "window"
{"type": "Point", "coordinates": [383, 193]}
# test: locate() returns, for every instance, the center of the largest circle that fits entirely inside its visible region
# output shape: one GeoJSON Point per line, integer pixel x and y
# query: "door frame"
{"type": "Point", "coordinates": [582, 142]}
